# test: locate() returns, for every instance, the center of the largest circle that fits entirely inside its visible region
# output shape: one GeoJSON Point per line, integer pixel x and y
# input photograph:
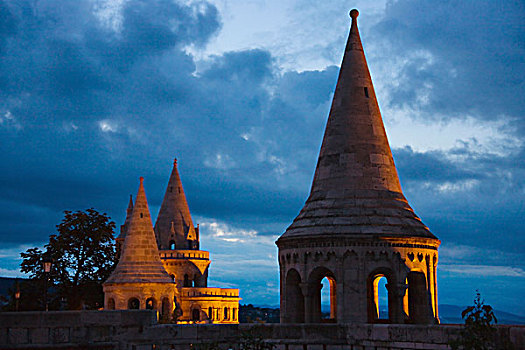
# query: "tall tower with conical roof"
{"type": "Point", "coordinates": [140, 280]}
{"type": "Point", "coordinates": [356, 226]}
{"type": "Point", "coordinates": [174, 228]}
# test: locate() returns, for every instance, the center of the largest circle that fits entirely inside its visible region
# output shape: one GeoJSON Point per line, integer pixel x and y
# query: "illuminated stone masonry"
{"type": "Point", "coordinates": [356, 226]}
{"type": "Point", "coordinates": [184, 266]}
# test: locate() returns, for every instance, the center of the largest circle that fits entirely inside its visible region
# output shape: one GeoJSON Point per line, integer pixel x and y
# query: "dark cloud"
{"type": "Point", "coordinates": [95, 108]}
{"type": "Point", "coordinates": [86, 109]}
{"type": "Point", "coordinates": [467, 55]}
{"type": "Point", "coordinates": [466, 197]}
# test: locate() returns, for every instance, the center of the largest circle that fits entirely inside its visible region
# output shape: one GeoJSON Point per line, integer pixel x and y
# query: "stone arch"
{"type": "Point", "coordinates": [133, 303]}
{"type": "Point", "coordinates": [195, 313]}
{"type": "Point", "coordinates": [172, 245]}
{"type": "Point", "coordinates": [226, 313]}
{"type": "Point", "coordinates": [187, 282]}
{"type": "Point", "coordinates": [111, 304]}
{"type": "Point", "coordinates": [418, 299]}
{"type": "Point", "coordinates": [313, 295]}
{"type": "Point", "coordinates": [198, 279]}
{"type": "Point", "coordinates": [372, 295]}
{"type": "Point", "coordinates": [294, 297]}
{"type": "Point", "coordinates": [151, 303]}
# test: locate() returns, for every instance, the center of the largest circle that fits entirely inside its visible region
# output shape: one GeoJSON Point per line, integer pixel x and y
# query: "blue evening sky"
{"type": "Point", "coordinates": [95, 93]}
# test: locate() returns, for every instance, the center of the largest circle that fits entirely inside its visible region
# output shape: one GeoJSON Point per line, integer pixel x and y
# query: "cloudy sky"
{"type": "Point", "coordinates": [95, 93]}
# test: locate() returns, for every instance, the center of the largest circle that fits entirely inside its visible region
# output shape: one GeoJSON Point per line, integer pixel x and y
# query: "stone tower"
{"type": "Point", "coordinates": [356, 226]}
{"type": "Point", "coordinates": [175, 232]}
{"type": "Point", "coordinates": [124, 227]}
{"type": "Point", "coordinates": [178, 243]}
{"type": "Point", "coordinates": [139, 280]}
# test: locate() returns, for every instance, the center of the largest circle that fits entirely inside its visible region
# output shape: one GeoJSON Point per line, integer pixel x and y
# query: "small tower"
{"type": "Point", "coordinates": [356, 226]}
{"type": "Point", "coordinates": [178, 239]}
{"type": "Point", "coordinates": [174, 228]}
{"type": "Point", "coordinates": [178, 242]}
{"type": "Point", "coordinates": [139, 280]}
{"type": "Point", "coordinates": [123, 228]}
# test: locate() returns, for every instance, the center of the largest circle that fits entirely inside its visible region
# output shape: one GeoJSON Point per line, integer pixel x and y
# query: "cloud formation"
{"type": "Point", "coordinates": [98, 93]}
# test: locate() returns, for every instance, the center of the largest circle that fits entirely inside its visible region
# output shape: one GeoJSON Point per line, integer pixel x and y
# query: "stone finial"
{"type": "Point", "coordinates": [175, 161]}
{"type": "Point", "coordinates": [354, 13]}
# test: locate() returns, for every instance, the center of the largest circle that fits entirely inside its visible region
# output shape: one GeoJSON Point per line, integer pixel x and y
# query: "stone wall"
{"type": "Point", "coordinates": [139, 330]}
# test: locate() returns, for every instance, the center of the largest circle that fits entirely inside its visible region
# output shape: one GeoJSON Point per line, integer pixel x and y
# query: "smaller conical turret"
{"type": "Point", "coordinates": [124, 227]}
{"type": "Point", "coordinates": [174, 225]}
{"type": "Point", "coordinates": [139, 260]}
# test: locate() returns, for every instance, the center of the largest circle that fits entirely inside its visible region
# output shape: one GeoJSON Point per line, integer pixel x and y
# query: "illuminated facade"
{"type": "Point", "coordinates": [356, 226]}
{"type": "Point", "coordinates": [186, 267]}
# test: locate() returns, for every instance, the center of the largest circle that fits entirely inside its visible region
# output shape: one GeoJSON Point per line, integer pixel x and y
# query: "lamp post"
{"type": "Point", "coordinates": [47, 263]}
{"type": "Point", "coordinates": [17, 295]}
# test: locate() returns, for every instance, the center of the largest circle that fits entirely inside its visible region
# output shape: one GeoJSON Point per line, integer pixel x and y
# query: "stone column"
{"type": "Point", "coordinates": [312, 302]}
{"type": "Point", "coordinates": [398, 310]}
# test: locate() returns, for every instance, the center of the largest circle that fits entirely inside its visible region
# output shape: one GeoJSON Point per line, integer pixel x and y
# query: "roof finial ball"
{"type": "Point", "coordinates": [354, 13]}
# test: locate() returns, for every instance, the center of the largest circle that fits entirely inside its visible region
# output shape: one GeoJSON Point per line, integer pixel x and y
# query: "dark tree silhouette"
{"type": "Point", "coordinates": [83, 257]}
{"type": "Point", "coordinates": [479, 332]}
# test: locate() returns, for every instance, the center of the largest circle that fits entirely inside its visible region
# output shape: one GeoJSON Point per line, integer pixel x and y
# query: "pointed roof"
{"type": "Point", "coordinates": [356, 189]}
{"type": "Point", "coordinates": [140, 261]}
{"type": "Point", "coordinates": [174, 220]}
{"type": "Point", "coordinates": [124, 227]}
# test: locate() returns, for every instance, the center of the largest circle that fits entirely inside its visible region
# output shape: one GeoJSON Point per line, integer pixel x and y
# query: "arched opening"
{"type": "Point", "coordinates": [210, 313]}
{"type": "Point", "coordinates": [166, 307]}
{"type": "Point", "coordinates": [313, 312]}
{"type": "Point", "coordinates": [381, 298]}
{"type": "Point", "coordinates": [196, 280]}
{"type": "Point", "coordinates": [151, 304]}
{"type": "Point", "coordinates": [172, 277]}
{"type": "Point", "coordinates": [418, 301]}
{"type": "Point", "coordinates": [111, 304]}
{"type": "Point", "coordinates": [172, 245]}
{"type": "Point", "coordinates": [294, 300]}
{"type": "Point", "coordinates": [133, 304]}
{"type": "Point", "coordinates": [195, 315]}
{"type": "Point", "coordinates": [187, 282]}
{"type": "Point", "coordinates": [328, 299]}
{"type": "Point", "coordinates": [226, 314]}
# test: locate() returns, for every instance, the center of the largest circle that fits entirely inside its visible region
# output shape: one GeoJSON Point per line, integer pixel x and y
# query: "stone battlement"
{"type": "Point", "coordinates": [184, 254]}
{"type": "Point", "coordinates": [209, 292]}
{"type": "Point", "coordinates": [139, 329]}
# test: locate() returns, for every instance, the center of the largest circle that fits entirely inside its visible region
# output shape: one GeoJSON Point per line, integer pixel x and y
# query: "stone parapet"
{"type": "Point", "coordinates": [185, 254]}
{"type": "Point", "coordinates": [138, 329]}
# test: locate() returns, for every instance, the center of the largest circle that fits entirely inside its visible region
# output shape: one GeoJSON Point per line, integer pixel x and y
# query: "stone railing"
{"type": "Point", "coordinates": [138, 329]}
{"type": "Point", "coordinates": [185, 254]}
{"type": "Point", "coordinates": [209, 292]}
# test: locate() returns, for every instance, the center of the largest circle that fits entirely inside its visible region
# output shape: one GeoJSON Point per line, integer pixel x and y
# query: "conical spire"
{"type": "Point", "coordinates": [124, 227]}
{"type": "Point", "coordinates": [140, 261]}
{"type": "Point", "coordinates": [174, 222]}
{"type": "Point", "coordinates": [356, 188]}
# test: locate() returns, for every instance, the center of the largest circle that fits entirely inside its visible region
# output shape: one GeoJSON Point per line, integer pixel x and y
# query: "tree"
{"type": "Point", "coordinates": [83, 257]}
{"type": "Point", "coordinates": [479, 332]}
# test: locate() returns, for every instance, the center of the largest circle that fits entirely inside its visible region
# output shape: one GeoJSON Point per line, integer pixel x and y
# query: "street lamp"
{"type": "Point", "coordinates": [47, 263]}
{"type": "Point", "coordinates": [17, 295]}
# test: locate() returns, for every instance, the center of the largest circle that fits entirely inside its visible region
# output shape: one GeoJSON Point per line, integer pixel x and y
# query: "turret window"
{"type": "Point", "coordinates": [172, 245]}
{"type": "Point", "coordinates": [366, 92]}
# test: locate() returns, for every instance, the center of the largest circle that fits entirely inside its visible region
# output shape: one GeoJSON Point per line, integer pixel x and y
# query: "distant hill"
{"type": "Point", "coordinates": [452, 314]}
